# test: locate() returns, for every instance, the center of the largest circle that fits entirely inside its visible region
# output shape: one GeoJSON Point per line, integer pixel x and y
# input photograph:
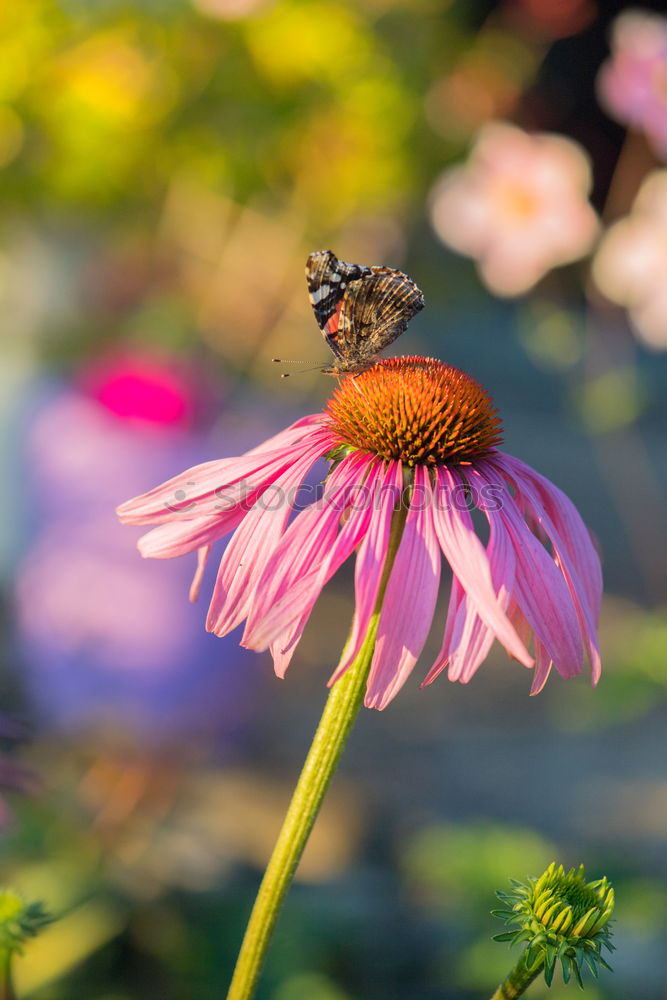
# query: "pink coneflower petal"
{"type": "Point", "coordinates": [539, 586]}
{"type": "Point", "coordinates": [303, 592]}
{"type": "Point", "coordinates": [282, 650]}
{"type": "Point", "coordinates": [309, 553]}
{"type": "Point", "coordinates": [452, 631]}
{"type": "Point", "coordinates": [282, 625]}
{"type": "Point", "coordinates": [475, 641]}
{"type": "Point", "coordinates": [188, 530]}
{"type": "Point", "coordinates": [214, 487]}
{"type": "Point", "coordinates": [180, 536]}
{"type": "Point", "coordinates": [409, 601]}
{"type": "Point", "coordinates": [252, 545]}
{"type": "Point", "coordinates": [575, 537]}
{"type": "Point", "coordinates": [286, 438]}
{"type": "Point", "coordinates": [543, 665]}
{"type": "Point", "coordinates": [204, 490]}
{"type": "Point", "coordinates": [518, 619]}
{"type": "Point", "coordinates": [370, 562]}
{"type": "Point", "coordinates": [470, 644]}
{"type": "Point", "coordinates": [468, 638]}
{"type": "Point", "coordinates": [202, 558]}
{"type": "Point", "coordinates": [572, 545]}
{"type": "Point", "coordinates": [470, 563]}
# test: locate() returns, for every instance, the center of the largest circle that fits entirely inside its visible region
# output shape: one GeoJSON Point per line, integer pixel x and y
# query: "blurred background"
{"type": "Point", "coordinates": [165, 168]}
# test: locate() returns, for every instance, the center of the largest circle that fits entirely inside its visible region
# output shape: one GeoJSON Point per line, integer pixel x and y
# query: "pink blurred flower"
{"type": "Point", "coordinates": [408, 420]}
{"type": "Point", "coordinates": [518, 207]}
{"type": "Point", "coordinates": [630, 266]}
{"type": "Point", "coordinates": [113, 645]}
{"type": "Point", "coordinates": [141, 388]}
{"type": "Point", "coordinates": [632, 84]}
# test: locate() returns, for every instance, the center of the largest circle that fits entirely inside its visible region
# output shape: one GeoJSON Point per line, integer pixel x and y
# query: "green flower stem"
{"type": "Point", "coordinates": [518, 980]}
{"type": "Point", "coordinates": [6, 984]}
{"type": "Point", "coordinates": [344, 701]}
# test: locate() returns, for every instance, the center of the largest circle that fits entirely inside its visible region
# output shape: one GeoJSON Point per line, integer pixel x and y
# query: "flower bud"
{"type": "Point", "coordinates": [561, 917]}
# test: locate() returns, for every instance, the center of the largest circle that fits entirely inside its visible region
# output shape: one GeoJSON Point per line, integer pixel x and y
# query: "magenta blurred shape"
{"type": "Point", "coordinates": [144, 391]}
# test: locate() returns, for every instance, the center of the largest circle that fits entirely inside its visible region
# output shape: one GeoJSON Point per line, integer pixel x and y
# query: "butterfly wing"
{"type": "Point", "coordinates": [360, 310]}
{"type": "Point", "coordinates": [328, 281]}
{"type": "Point", "coordinates": [376, 310]}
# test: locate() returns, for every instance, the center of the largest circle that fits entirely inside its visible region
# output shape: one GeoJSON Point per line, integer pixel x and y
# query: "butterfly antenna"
{"type": "Point", "coordinates": [283, 361]}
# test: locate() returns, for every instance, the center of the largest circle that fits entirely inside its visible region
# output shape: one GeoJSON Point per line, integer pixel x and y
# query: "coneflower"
{"type": "Point", "coordinates": [410, 433]}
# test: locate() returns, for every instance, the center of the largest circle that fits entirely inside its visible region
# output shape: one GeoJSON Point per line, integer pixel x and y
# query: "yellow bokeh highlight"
{"type": "Point", "coordinates": [26, 36]}
{"type": "Point", "coordinates": [298, 42]}
{"type": "Point", "coordinates": [111, 77]}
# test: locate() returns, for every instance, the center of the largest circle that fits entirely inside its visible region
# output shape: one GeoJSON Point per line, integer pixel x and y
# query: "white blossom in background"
{"type": "Point", "coordinates": [630, 266]}
{"type": "Point", "coordinates": [519, 206]}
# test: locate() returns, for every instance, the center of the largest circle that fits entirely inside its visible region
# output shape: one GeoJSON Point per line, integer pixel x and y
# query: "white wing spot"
{"type": "Point", "coordinates": [320, 293]}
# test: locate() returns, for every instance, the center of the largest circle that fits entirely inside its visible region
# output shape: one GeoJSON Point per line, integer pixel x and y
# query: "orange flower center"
{"type": "Point", "coordinates": [518, 204]}
{"type": "Point", "coordinates": [418, 410]}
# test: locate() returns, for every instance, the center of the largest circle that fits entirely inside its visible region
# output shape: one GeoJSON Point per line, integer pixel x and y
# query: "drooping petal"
{"type": "Point", "coordinates": [476, 641]}
{"type": "Point", "coordinates": [543, 665]}
{"type": "Point", "coordinates": [176, 538]}
{"type": "Point", "coordinates": [370, 561]}
{"type": "Point", "coordinates": [575, 537]}
{"type": "Point", "coordinates": [283, 649]}
{"type": "Point", "coordinates": [250, 549]}
{"type": "Point", "coordinates": [468, 638]}
{"type": "Point", "coordinates": [470, 563]}
{"type": "Point", "coordinates": [218, 486]}
{"type": "Point", "coordinates": [409, 600]}
{"type": "Point", "coordinates": [184, 533]}
{"type": "Point", "coordinates": [457, 597]}
{"type": "Point", "coordinates": [295, 432]}
{"type": "Point", "coordinates": [309, 553]}
{"type": "Point", "coordinates": [202, 558]}
{"type": "Point", "coordinates": [518, 619]}
{"type": "Point", "coordinates": [559, 519]}
{"type": "Point", "coordinates": [539, 585]}
{"type": "Point", "coordinates": [299, 593]}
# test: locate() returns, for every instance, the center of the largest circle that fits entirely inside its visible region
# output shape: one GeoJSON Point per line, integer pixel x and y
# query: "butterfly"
{"type": "Point", "coordinates": [360, 310]}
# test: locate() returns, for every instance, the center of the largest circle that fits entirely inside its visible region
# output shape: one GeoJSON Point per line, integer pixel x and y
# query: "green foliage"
{"type": "Point", "coordinates": [105, 108]}
{"type": "Point", "coordinates": [19, 920]}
